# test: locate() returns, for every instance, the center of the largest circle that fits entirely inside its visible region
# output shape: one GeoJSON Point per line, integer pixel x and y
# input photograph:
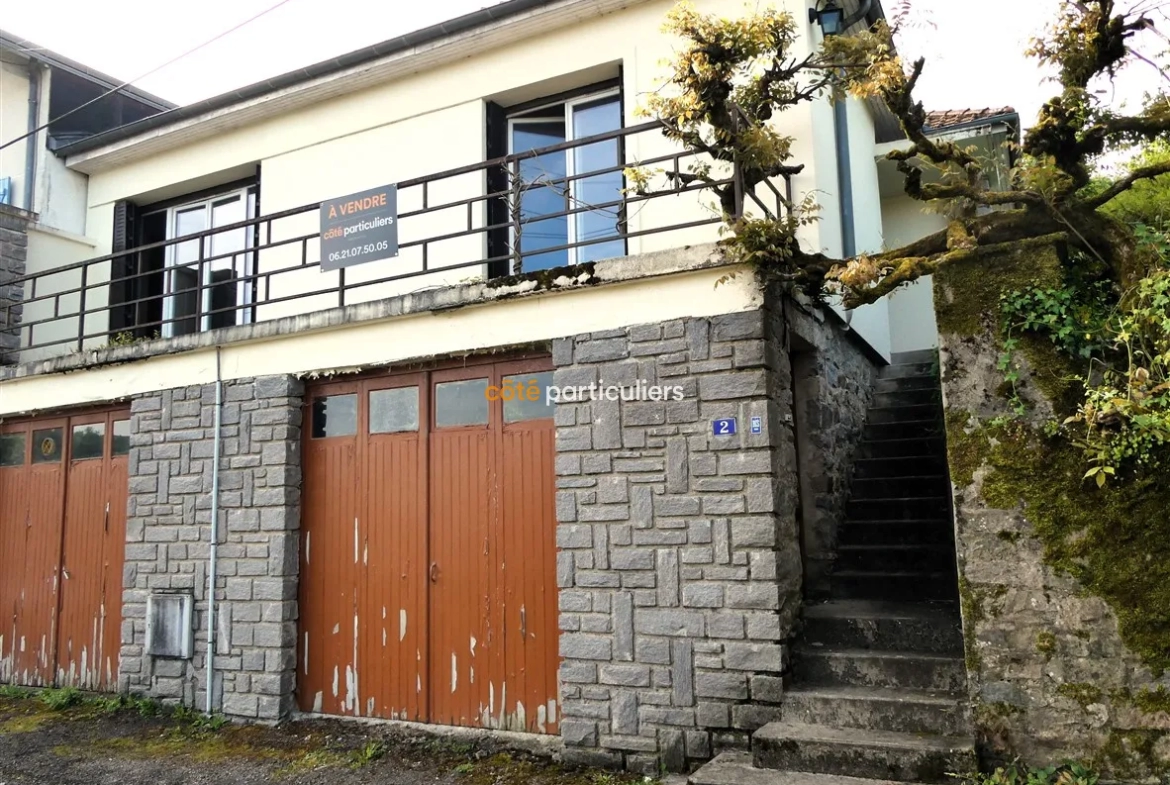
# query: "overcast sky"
{"type": "Point", "coordinates": [974, 49]}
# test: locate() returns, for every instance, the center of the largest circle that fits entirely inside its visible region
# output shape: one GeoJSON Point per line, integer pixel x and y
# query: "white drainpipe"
{"type": "Point", "coordinates": [211, 558]}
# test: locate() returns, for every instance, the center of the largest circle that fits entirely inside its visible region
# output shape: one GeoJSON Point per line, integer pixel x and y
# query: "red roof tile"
{"type": "Point", "coordinates": [949, 118]}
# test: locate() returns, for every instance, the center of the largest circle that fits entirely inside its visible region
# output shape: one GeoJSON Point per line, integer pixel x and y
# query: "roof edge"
{"type": "Point", "coordinates": [291, 79]}
{"type": "Point", "coordinates": [33, 51]}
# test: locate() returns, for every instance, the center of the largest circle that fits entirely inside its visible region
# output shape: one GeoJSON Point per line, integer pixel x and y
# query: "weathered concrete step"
{"type": "Point", "coordinates": [905, 429]}
{"type": "Point", "coordinates": [736, 768]}
{"type": "Point", "coordinates": [903, 466]}
{"type": "Point", "coordinates": [918, 585]}
{"type": "Point", "coordinates": [905, 370]}
{"type": "Point", "coordinates": [915, 531]}
{"type": "Point", "coordinates": [898, 509]}
{"type": "Point", "coordinates": [932, 628]}
{"type": "Point", "coordinates": [928, 485]}
{"type": "Point", "coordinates": [867, 708]}
{"type": "Point", "coordinates": [908, 383]}
{"type": "Point", "coordinates": [904, 412]}
{"type": "Point", "coordinates": [934, 445]}
{"type": "Point", "coordinates": [912, 396]}
{"type": "Point", "coordinates": [916, 356]}
{"type": "Point", "coordinates": [878, 754]}
{"type": "Point", "coordinates": [894, 558]}
{"type": "Point", "coordinates": [814, 667]}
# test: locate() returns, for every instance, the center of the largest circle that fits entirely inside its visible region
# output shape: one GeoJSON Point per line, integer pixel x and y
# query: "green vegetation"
{"type": "Point", "coordinates": [1084, 694]}
{"type": "Point", "coordinates": [1068, 773]}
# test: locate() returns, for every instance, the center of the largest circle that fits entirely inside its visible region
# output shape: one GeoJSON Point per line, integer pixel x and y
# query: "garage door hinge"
{"type": "Point", "coordinates": [106, 522]}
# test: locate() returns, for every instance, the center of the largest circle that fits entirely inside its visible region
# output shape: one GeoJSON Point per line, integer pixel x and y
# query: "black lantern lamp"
{"type": "Point", "coordinates": [831, 16]}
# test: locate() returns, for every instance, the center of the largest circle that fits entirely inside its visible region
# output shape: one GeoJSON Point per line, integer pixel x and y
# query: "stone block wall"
{"type": "Point", "coordinates": [169, 528]}
{"type": "Point", "coordinates": [679, 564]}
{"type": "Point", "coordinates": [13, 256]}
{"type": "Point", "coordinates": [833, 381]}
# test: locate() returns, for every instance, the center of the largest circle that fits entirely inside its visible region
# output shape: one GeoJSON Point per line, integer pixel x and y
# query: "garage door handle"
{"type": "Point", "coordinates": [434, 572]}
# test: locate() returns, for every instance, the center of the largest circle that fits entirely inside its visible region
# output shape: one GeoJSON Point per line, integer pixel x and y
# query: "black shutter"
{"type": "Point", "coordinates": [123, 289]}
{"type": "Point", "coordinates": [497, 182]}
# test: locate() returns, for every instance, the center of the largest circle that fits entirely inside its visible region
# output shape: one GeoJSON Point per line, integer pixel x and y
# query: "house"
{"type": "Point", "coordinates": [380, 397]}
{"type": "Point", "coordinates": [39, 194]}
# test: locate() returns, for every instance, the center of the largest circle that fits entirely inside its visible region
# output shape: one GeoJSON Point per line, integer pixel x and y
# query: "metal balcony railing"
{"type": "Point", "coordinates": [483, 215]}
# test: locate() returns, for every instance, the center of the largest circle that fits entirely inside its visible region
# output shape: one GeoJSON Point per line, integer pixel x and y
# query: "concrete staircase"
{"type": "Point", "coordinates": [878, 686]}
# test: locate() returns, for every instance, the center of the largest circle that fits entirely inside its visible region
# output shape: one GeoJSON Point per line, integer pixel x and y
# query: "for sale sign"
{"type": "Point", "coordinates": [359, 228]}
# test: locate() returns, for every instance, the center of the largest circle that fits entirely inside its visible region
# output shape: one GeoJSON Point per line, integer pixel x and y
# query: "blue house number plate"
{"type": "Point", "coordinates": [724, 427]}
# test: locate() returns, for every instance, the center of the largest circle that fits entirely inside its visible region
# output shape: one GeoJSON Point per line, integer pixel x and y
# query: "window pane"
{"type": "Point", "coordinates": [189, 221]}
{"type": "Point", "coordinates": [88, 441]}
{"type": "Point", "coordinates": [334, 415]}
{"type": "Point", "coordinates": [121, 437]}
{"type": "Point", "coordinates": [600, 224]}
{"type": "Point", "coordinates": [527, 136]}
{"type": "Point", "coordinates": [519, 404]}
{"type": "Point", "coordinates": [461, 403]}
{"type": "Point", "coordinates": [547, 233]}
{"type": "Point", "coordinates": [394, 411]}
{"type": "Point", "coordinates": [46, 445]}
{"type": "Point", "coordinates": [11, 449]}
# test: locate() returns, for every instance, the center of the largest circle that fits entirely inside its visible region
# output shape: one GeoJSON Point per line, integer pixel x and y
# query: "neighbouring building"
{"type": "Point", "coordinates": [240, 475]}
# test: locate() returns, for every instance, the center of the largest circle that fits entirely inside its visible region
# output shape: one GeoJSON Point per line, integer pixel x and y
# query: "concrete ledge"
{"type": "Point", "coordinates": [438, 300]}
{"type": "Point", "coordinates": [535, 744]}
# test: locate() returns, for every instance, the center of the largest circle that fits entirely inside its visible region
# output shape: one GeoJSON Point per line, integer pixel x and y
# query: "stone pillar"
{"type": "Point", "coordinates": [168, 531]}
{"type": "Point", "coordinates": [679, 564]}
{"type": "Point", "coordinates": [13, 255]}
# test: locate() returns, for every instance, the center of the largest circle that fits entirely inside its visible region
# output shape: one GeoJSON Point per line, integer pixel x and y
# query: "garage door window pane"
{"type": "Point", "coordinates": [526, 396]}
{"type": "Point", "coordinates": [334, 415]}
{"type": "Point", "coordinates": [88, 441]}
{"type": "Point", "coordinates": [461, 403]}
{"type": "Point", "coordinates": [11, 449]}
{"type": "Point", "coordinates": [46, 445]}
{"type": "Point", "coordinates": [394, 411]}
{"type": "Point", "coordinates": [121, 437]}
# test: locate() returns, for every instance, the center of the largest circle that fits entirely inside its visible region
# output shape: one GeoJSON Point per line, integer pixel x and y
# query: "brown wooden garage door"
{"type": "Point", "coordinates": [428, 558]}
{"type": "Point", "coordinates": [62, 545]}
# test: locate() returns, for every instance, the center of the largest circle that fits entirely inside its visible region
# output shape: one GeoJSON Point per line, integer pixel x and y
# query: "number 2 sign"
{"type": "Point", "coordinates": [724, 427]}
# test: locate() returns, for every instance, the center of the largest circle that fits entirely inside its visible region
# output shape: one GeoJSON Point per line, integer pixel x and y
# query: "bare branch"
{"type": "Point", "coordinates": [1127, 182]}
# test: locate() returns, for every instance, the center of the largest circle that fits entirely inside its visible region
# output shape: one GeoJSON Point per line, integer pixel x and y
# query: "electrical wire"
{"type": "Point", "coordinates": [124, 85]}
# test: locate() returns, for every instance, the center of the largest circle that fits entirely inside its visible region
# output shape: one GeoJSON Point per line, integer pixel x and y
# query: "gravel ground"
{"type": "Point", "coordinates": [99, 742]}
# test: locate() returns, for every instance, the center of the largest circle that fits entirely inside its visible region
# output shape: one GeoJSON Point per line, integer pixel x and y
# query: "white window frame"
{"type": "Point", "coordinates": [570, 169]}
{"type": "Point", "coordinates": [243, 288]}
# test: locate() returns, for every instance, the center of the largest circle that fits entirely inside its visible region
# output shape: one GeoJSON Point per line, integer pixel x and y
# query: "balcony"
{"type": "Point", "coordinates": [495, 220]}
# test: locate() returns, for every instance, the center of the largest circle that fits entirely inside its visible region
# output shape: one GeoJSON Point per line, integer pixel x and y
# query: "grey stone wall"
{"type": "Point", "coordinates": [679, 564]}
{"type": "Point", "coordinates": [168, 532]}
{"type": "Point", "coordinates": [833, 380]}
{"type": "Point", "coordinates": [13, 255]}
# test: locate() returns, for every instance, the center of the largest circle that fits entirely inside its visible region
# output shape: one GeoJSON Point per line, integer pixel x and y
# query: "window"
{"type": "Point", "coordinates": [121, 444]}
{"type": "Point", "coordinates": [88, 441]}
{"type": "Point", "coordinates": [46, 445]}
{"type": "Point", "coordinates": [555, 184]}
{"type": "Point", "coordinates": [206, 280]}
{"type": "Point", "coordinates": [394, 410]}
{"type": "Point", "coordinates": [461, 403]}
{"type": "Point", "coordinates": [11, 449]}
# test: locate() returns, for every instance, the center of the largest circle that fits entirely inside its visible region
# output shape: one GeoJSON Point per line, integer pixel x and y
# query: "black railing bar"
{"type": "Point", "coordinates": [334, 289]}
{"type": "Point", "coordinates": [449, 173]}
{"type": "Point", "coordinates": [305, 265]}
{"type": "Point", "coordinates": [767, 210]}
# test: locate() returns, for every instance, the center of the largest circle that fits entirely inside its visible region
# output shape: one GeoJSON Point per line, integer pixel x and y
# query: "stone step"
{"type": "Point", "coordinates": [907, 585]}
{"type": "Point", "coordinates": [903, 448]}
{"type": "Point", "coordinates": [902, 757]}
{"type": "Point", "coordinates": [903, 486]}
{"type": "Point", "coordinates": [902, 412]}
{"type": "Point", "coordinates": [916, 356]}
{"type": "Point", "coordinates": [866, 708]}
{"type": "Point", "coordinates": [894, 558]}
{"type": "Point", "coordinates": [904, 466]}
{"type": "Point", "coordinates": [906, 429]}
{"type": "Point", "coordinates": [914, 396]}
{"type": "Point", "coordinates": [899, 509]}
{"type": "Point", "coordinates": [928, 370]}
{"type": "Point", "coordinates": [932, 628]}
{"type": "Point", "coordinates": [907, 383]}
{"type": "Point", "coordinates": [736, 768]}
{"type": "Point", "coordinates": [817, 666]}
{"type": "Point", "coordinates": [919, 531]}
